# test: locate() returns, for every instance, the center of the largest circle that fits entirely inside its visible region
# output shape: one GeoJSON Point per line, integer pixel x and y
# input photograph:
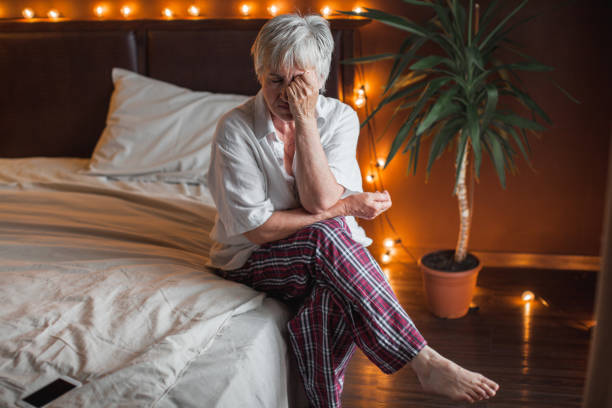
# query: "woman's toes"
{"type": "Point", "coordinates": [469, 398]}
{"type": "Point", "coordinates": [490, 387]}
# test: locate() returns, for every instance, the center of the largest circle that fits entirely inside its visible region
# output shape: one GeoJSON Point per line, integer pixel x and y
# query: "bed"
{"type": "Point", "coordinates": [105, 215]}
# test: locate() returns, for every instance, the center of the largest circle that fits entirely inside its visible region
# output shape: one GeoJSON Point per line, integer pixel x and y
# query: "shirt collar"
{"type": "Point", "coordinates": [263, 121]}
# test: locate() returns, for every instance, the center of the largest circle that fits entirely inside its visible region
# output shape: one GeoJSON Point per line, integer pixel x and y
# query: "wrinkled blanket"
{"type": "Point", "coordinates": [104, 281]}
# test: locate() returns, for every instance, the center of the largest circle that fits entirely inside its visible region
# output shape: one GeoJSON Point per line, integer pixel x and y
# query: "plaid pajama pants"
{"type": "Point", "coordinates": [345, 300]}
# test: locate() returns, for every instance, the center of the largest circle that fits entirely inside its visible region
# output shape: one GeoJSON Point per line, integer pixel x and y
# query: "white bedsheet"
{"type": "Point", "coordinates": [104, 281]}
{"type": "Point", "coordinates": [248, 365]}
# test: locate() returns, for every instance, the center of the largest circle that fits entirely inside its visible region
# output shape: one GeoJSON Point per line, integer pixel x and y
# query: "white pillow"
{"type": "Point", "coordinates": [159, 131]}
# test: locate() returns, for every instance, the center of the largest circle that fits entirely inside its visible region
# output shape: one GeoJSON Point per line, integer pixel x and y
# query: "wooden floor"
{"type": "Point", "coordinates": [537, 354]}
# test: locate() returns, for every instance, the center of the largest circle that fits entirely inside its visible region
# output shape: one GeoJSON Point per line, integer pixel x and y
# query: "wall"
{"type": "Point", "coordinates": [555, 209]}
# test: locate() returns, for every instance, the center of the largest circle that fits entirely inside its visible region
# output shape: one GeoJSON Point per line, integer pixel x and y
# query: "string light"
{"type": "Point", "coordinates": [360, 99]}
{"type": "Point", "coordinates": [28, 13]}
{"type": "Point", "coordinates": [273, 9]}
{"type": "Point", "coordinates": [358, 10]}
{"type": "Point", "coordinates": [245, 9]}
{"type": "Point", "coordinates": [53, 14]}
{"type": "Point", "coordinates": [126, 11]}
{"type": "Point", "coordinates": [389, 243]}
{"type": "Point", "coordinates": [370, 178]}
{"type": "Point", "coordinates": [326, 11]}
{"type": "Point", "coordinates": [193, 11]}
{"type": "Point", "coordinates": [386, 257]}
{"type": "Point", "coordinates": [527, 296]}
{"type": "Point", "coordinates": [99, 11]}
{"type": "Point", "coordinates": [167, 13]}
{"type": "Point", "coordinates": [380, 162]}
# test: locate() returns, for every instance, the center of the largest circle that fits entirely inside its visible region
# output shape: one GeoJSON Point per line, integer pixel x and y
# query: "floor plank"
{"type": "Point", "coordinates": [538, 356]}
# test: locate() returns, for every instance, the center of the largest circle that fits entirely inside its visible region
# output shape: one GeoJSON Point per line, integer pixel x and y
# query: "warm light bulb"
{"type": "Point", "coordinates": [388, 243]}
{"type": "Point", "coordinates": [245, 9]}
{"type": "Point", "coordinates": [99, 11]}
{"type": "Point", "coordinates": [126, 11]}
{"type": "Point", "coordinates": [53, 13]}
{"type": "Point", "coordinates": [193, 11]}
{"type": "Point", "coordinates": [326, 11]}
{"type": "Point", "coordinates": [359, 101]}
{"type": "Point", "coordinates": [273, 9]}
{"type": "Point", "coordinates": [358, 10]}
{"type": "Point", "coordinates": [370, 178]}
{"type": "Point", "coordinates": [386, 257]}
{"type": "Point", "coordinates": [28, 13]}
{"type": "Point", "coordinates": [167, 13]}
{"type": "Point", "coordinates": [527, 296]}
{"type": "Point", "coordinates": [380, 162]}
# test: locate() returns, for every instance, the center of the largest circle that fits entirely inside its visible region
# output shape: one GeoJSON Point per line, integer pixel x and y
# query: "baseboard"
{"type": "Point", "coordinates": [517, 260]}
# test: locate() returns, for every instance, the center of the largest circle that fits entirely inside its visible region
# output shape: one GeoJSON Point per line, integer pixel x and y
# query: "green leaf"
{"type": "Point", "coordinates": [486, 19]}
{"type": "Point", "coordinates": [402, 63]}
{"type": "Point", "coordinates": [519, 143]}
{"type": "Point", "coordinates": [474, 57]}
{"type": "Point", "coordinates": [393, 97]}
{"type": "Point", "coordinates": [571, 98]}
{"type": "Point", "coordinates": [458, 22]}
{"type": "Point", "coordinates": [453, 50]}
{"type": "Point", "coordinates": [414, 154]}
{"type": "Point", "coordinates": [497, 155]}
{"type": "Point", "coordinates": [492, 99]}
{"type": "Point", "coordinates": [397, 69]}
{"type": "Point", "coordinates": [527, 101]}
{"type": "Point", "coordinates": [523, 66]}
{"type": "Point", "coordinates": [469, 28]}
{"type": "Point", "coordinates": [432, 87]}
{"type": "Point", "coordinates": [399, 22]}
{"type": "Point", "coordinates": [443, 107]}
{"type": "Point", "coordinates": [370, 58]}
{"type": "Point", "coordinates": [443, 17]}
{"type": "Point", "coordinates": [442, 139]}
{"type": "Point", "coordinates": [418, 3]}
{"type": "Point", "coordinates": [501, 24]}
{"type": "Point", "coordinates": [518, 121]}
{"type": "Point", "coordinates": [473, 128]}
{"type": "Point", "coordinates": [428, 62]}
{"type": "Point", "coordinates": [526, 140]}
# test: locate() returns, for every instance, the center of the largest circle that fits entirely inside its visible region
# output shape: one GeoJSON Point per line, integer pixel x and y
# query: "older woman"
{"type": "Point", "coordinates": [286, 182]}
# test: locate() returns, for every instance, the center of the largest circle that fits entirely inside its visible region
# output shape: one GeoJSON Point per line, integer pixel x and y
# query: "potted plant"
{"type": "Point", "coordinates": [457, 95]}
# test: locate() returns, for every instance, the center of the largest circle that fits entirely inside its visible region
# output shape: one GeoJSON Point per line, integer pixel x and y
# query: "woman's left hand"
{"type": "Point", "coordinates": [302, 94]}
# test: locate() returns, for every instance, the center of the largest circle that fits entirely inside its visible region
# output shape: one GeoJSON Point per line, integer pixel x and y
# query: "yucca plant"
{"type": "Point", "coordinates": [454, 94]}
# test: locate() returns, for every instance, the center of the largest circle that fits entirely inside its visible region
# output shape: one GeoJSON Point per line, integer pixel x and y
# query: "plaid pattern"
{"type": "Point", "coordinates": [345, 300]}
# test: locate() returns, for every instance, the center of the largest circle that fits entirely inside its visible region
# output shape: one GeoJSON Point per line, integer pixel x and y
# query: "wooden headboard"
{"type": "Point", "coordinates": [55, 77]}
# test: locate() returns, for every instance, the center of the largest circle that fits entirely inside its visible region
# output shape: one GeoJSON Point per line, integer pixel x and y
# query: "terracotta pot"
{"type": "Point", "coordinates": [449, 294]}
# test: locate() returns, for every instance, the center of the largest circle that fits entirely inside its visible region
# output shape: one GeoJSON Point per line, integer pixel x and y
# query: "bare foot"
{"type": "Point", "coordinates": [441, 376]}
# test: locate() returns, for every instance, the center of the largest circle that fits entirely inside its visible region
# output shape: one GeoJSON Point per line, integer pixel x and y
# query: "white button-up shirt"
{"type": "Point", "coordinates": [248, 180]}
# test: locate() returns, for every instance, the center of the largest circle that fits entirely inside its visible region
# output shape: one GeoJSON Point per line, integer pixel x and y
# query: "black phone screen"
{"type": "Point", "coordinates": [49, 392]}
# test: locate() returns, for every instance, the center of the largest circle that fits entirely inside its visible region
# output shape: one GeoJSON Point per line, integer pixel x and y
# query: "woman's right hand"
{"type": "Point", "coordinates": [365, 205]}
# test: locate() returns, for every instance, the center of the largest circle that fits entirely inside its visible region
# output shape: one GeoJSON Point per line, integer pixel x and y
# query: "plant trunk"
{"type": "Point", "coordinates": [465, 215]}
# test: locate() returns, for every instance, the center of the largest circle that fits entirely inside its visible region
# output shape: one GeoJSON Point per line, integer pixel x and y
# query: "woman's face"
{"type": "Point", "coordinates": [274, 86]}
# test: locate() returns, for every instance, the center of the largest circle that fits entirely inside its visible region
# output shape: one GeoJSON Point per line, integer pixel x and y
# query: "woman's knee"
{"type": "Point", "coordinates": [329, 229]}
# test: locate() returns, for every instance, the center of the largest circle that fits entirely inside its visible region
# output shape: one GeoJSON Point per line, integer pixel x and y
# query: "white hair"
{"type": "Point", "coordinates": [289, 41]}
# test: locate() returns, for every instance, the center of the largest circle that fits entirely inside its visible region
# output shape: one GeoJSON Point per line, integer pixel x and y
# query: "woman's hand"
{"type": "Point", "coordinates": [363, 205]}
{"type": "Point", "coordinates": [302, 94]}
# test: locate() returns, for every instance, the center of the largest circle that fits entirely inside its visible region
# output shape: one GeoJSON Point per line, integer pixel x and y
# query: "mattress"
{"type": "Point", "coordinates": [105, 281]}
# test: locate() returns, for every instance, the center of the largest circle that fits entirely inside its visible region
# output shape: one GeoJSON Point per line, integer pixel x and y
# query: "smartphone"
{"type": "Point", "coordinates": [49, 392]}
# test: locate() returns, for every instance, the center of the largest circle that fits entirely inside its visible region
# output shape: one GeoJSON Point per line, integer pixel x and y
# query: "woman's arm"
{"type": "Point", "coordinates": [317, 186]}
{"type": "Point", "coordinates": [283, 224]}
